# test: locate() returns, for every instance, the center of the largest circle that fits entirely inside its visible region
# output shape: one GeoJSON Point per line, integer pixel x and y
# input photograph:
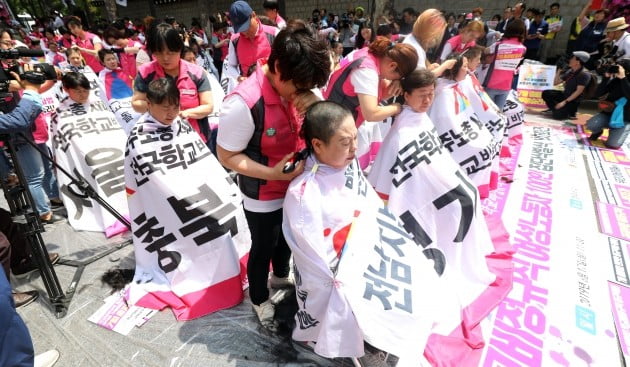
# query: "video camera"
{"type": "Point", "coordinates": [39, 74]}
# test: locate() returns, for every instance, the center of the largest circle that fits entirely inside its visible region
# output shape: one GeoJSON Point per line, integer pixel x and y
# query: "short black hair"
{"type": "Point", "coordinates": [410, 11]}
{"type": "Point", "coordinates": [300, 56]}
{"type": "Point", "coordinates": [163, 90]}
{"type": "Point", "coordinates": [418, 78]}
{"type": "Point", "coordinates": [384, 30]}
{"type": "Point", "coordinates": [271, 5]}
{"type": "Point", "coordinates": [321, 121]}
{"type": "Point", "coordinates": [74, 20]}
{"type": "Point", "coordinates": [103, 52]}
{"type": "Point", "coordinates": [554, 5]}
{"type": "Point", "coordinates": [164, 36]}
{"type": "Point", "coordinates": [186, 50]}
{"type": "Point", "coordinates": [63, 30]}
{"type": "Point", "coordinates": [73, 80]}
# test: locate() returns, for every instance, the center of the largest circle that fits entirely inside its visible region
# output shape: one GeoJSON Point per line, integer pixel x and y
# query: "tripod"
{"type": "Point", "coordinates": [21, 204]}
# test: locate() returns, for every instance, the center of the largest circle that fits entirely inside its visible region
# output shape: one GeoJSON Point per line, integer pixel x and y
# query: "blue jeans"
{"type": "Point", "coordinates": [30, 160]}
{"type": "Point", "coordinates": [16, 345]}
{"type": "Point", "coordinates": [50, 180]}
{"type": "Point", "coordinates": [498, 96]}
{"type": "Point", "coordinates": [616, 137]}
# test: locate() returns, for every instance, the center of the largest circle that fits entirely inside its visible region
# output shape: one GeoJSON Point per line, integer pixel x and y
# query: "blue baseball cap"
{"type": "Point", "coordinates": [240, 14]}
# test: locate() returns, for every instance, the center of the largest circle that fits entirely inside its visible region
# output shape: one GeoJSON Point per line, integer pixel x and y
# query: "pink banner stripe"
{"type": "Point", "coordinates": [225, 294]}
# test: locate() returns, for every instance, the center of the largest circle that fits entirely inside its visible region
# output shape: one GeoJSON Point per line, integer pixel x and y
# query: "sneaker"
{"type": "Point", "coordinates": [279, 283]}
{"type": "Point", "coordinates": [46, 359]}
{"type": "Point", "coordinates": [51, 218]}
{"type": "Point", "coordinates": [265, 312]}
{"type": "Point", "coordinates": [24, 298]}
{"type": "Point", "coordinates": [31, 267]}
{"type": "Point", "coordinates": [547, 111]}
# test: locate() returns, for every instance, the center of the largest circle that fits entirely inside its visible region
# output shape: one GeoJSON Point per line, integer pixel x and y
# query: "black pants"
{"type": "Point", "coordinates": [16, 252]}
{"type": "Point", "coordinates": [268, 244]}
{"type": "Point", "coordinates": [552, 97]}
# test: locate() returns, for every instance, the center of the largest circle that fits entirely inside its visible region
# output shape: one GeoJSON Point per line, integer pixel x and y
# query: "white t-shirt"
{"type": "Point", "coordinates": [365, 81]}
{"type": "Point", "coordinates": [236, 128]}
{"type": "Point", "coordinates": [422, 56]}
{"type": "Point", "coordinates": [623, 45]}
{"type": "Point", "coordinates": [142, 57]}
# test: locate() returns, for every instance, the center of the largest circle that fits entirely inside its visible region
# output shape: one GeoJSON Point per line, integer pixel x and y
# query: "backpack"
{"type": "Point", "coordinates": [591, 87]}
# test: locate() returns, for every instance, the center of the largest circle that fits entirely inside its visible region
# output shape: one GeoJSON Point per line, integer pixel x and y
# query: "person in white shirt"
{"type": "Point", "coordinates": [616, 31]}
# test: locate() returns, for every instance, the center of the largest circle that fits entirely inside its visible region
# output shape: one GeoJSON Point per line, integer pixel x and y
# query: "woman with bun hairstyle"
{"type": "Point", "coordinates": [369, 76]}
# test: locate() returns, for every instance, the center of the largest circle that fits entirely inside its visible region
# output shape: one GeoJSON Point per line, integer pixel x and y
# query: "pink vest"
{"type": "Point", "coordinates": [457, 46]}
{"type": "Point", "coordinates": [128, 61]}
{"type": "Point", "coordinates": [91, 61]}
{"type": "Point", "coordinates": [340, 88]}
{"type": "Point", "coordinates": [276, 134]}
{"type": "Point", "coordinates": [508, 53]}
{"type": "Point", "coordinates": [187, 80]}
{"type": "Point", "coordinates": [248, 51]}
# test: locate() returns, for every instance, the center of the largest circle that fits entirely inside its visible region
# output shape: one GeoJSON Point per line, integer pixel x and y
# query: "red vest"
{"type": "Point", "coordinates": [276, 134]}
{"type": "Point", "coordinates": [91, 61]}
{"type": "Point", "coordinates": [340, 88]}
{"type": "Point", "coordinates": [248, 51]}
{"type": "Point", "coordinates": [189, 77]}
{"type": "Point", "coordinates": [457, 46]}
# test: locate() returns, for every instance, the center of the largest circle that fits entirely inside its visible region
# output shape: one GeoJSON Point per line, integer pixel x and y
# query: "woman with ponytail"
{"type": "Point", "coordinates": [369, 76]}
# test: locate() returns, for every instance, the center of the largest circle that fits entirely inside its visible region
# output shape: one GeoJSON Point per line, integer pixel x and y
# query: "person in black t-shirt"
{"type": "Point", "coordinates": [564, 104]}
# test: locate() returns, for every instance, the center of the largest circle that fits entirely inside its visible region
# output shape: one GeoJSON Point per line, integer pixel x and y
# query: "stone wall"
{"type": "Point", "coordinates": [184, 10]}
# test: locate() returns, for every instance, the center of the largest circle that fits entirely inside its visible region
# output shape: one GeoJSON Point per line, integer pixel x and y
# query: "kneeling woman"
{"type": "Point", "coordinates": [343, 241]}
{"type": "Point", "coordinates": [189, 229]}
{"type": "Point", "coordinates": [88, 141]}
{"type": "Point", "coordinates": [439, 206]}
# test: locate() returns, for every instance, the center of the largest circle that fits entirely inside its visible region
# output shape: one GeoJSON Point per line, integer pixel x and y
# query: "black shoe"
{"type": "Point", "coordinates": [594, 136]}
{"type": "Point", "coordinates": [24, 298]}
{"type": "Point", "coordinates": [55, 204]}
{"type": "Point", "coordinates": [548, 111]}
{"type": "Point", "coordinates": [54, 218]}
{"type": "Point", "coordinates": [30, 266]}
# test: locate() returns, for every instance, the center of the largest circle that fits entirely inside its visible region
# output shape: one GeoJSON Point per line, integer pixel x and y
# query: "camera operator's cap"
{"type": "Point", "coordinates": [240, 15]}
{"type": "Point", "coordinates": [582, 55]}
{"type": "Point", "coordinates": [616, 24]}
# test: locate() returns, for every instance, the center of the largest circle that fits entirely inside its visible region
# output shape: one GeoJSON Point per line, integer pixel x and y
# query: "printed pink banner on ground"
{"type": "Point", "coordinates": [615, 156]}
{"type": "Point", "coordinates": [620, 302]}
{"type": "Point", "coordinates": [624, 195]}
{"type": "Point", "coordinates": [614, 220]}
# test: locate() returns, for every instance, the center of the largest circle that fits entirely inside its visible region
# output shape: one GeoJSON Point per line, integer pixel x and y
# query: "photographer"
{"type": "Point", "coordinates": [20, 120]}
{"type": "Point", "coordinates": [615, 109]}
{"type": "Point", "coordinates": [616, 32]}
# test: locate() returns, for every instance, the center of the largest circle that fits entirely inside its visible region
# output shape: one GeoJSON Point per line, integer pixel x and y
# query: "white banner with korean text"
{"type": "Point", "coordinates": [189, 230]}
{"type": "Point", "coordinates": [360, 276]}
{"type": "Point", "coordinates": [89, 143]}
{"type": "Point", "coordinates": [559, 311]}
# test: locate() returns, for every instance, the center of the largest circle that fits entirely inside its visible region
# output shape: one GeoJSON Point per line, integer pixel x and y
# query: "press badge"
{"type": "Point", "coordinates": [189, 92]}
{"type": "Point", "coordinates": [271, 131]}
